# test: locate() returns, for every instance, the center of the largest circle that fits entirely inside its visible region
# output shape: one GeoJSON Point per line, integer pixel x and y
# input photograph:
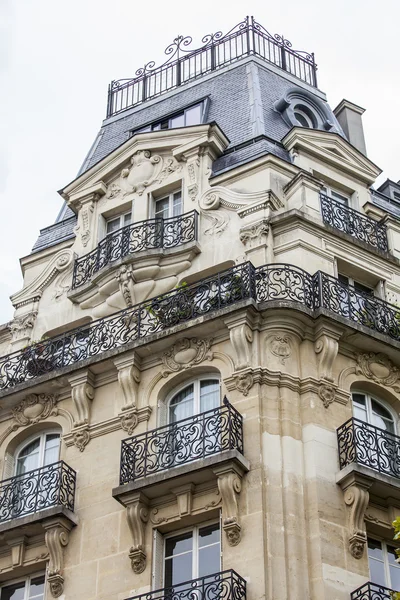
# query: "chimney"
{"type": "Point", "coordinates": [349, 117]}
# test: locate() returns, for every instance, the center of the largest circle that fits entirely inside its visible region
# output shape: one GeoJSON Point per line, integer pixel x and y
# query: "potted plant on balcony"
{"type": "Point", "coordinates": [36, 355]}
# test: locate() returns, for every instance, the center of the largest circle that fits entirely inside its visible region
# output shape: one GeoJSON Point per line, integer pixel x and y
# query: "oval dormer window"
{"type": "Point", "coordinates": [305, 117]}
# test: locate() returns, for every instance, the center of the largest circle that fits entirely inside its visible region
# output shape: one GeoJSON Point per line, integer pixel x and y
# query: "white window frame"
{"type": "Point", "coordinates": [333, 193]}
{"type": "Point", "coordinates": [42, 446]}
{"type": "Point", "coordinates": [384, 405]}
{"type": "Point", "coordinates": [156, 125]}
{"type": "Point", "coordinates": [170, 197]}
{"type": "Point", "coordinates": [28, 578]}
{"type": "Point", "coordinates": [299, 109]}
{"type": "Point", "coordinates": [195, 547]}
{"type": "Point", "coordinates": [196, 391]}
{"type": "Point", "coordinates": [121, 218]}
{"type": "Point", "coordinates": [384, 543]}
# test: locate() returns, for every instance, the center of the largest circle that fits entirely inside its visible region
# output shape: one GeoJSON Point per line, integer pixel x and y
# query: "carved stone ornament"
{"type": "Point", "coordinates": [129, 420]}
{"type": "Point", "coordinates": [22, 326]}
{"type": "Point", "coordinates": [357, 498]}
{"type": "Point", "coordinates": [126, 280]}
{"type": "Point", "coordinates": [186, 353]}
{"type": "Point", "coordinates": [34, 408]}
{"type": "Point", "coordinates": [85, 224]}
{"type": "Point", "coordinates": [241, 337]}
{"type": "Point", "coordinates": [56, 538]}
{"type": "Point", "coordinates": [280, 347]}
{"type": "Point", "coordinates": [230, 485]}
{"type": "Point", "coordinates": [82, 393]}
{"type": "Point", "coordinates": [218, 196]}
{"type": "Point", "coordinates": [243, 382]}
{"type": "Point", "coordinates": [218, 222]}
{"type": "Point", "coordinates": [137, 516]}
{"type": "Point", "coordinates": [379, 368]}
{"type": "Point", "coordinates": [254, 234]}
{"type": "Point", "coordinates": [81, 438]}
{"type": "Point", "coordinates": [145, 170]}
{"type": "Point", "coordinates": [327, 393]}
{"type": "Point", "coordinates": [327, 348]}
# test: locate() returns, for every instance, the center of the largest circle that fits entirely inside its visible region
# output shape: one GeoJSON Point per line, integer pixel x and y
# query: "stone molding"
{"type": "Point", "coordinates": [280, 346]}
{"type": "Point", "coordinates": [56, 538]}
{"type": "Point", "coordinates": [185, 354]}
{"type": "Point", "coordinates": [356, 496]}
{"type": "Point", "coordinates": [254, 234]}
{"type": "Point", "coordinates": [129, 377]}
{"type": "Point", "coordinates": [82, 393]}
{"type": "Point", "coordinates": [220, 196]}
{"type": "Point", "coordinates": [229, 479]}
{"type": "Point", "coordinates": [189, 501]}
{"type": "Point", "coordinates": [137, 515]}
{"type": "Point", "coordinates": [21, 327]}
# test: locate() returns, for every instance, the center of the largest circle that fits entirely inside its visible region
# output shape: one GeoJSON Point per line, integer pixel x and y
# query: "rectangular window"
{"type": "Point", "coordinates": [194, 115]}
{"type": "Point", "coordinates": [170, 206]}
{"type": "Point", "coordinates": [192, 554]}
{"type": "Point", "coordinates": [118, 222]}
{"type": "Point", "coordinates": [31, 588]}
{"type": "Point", "coordinates": [338, 196]}
{"type": "Point", "coordinates": [383, 568]}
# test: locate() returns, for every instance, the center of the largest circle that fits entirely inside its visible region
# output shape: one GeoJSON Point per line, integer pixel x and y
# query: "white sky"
{"type": "Point", "coordinates": [57, 58]}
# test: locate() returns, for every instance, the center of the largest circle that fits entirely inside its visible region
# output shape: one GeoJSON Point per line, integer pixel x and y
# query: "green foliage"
{"type": "Point", "coordinates": [396, 527]}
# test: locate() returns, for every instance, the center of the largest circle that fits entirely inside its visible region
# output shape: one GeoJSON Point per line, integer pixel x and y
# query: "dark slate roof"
{"type": "Point", "coordinates": [54, 234]}
{"type": "Point", "coordinates": [386, 203]}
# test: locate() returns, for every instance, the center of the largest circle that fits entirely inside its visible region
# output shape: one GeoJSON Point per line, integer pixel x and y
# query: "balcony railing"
{"type": "Point", "coordinates": [354, 223]}
{"type": "Point", "coordinates": [184, 65]}
{"type": "Point", "coordinates": [182, 442]}
{"type": "Point", "coordinates": [365, 444]}
{"type": "Point", "coordinates": [227, 585]}
{"type": "Point", "coordinates": [49, 486]}
{"type": "Point", "coordinates": [372, 591]}
{"type": "Point", "coordinates": [145, 235]}
{"type": "Point", "coordinates": [278, 282]}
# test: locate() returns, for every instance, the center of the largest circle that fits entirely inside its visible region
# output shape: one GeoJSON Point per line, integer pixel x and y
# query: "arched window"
{"type": "Point", "coordinates": [305, 116]}
{"type": "Point", "coordinates": [195, 397]}
{"type": "Point", "coordinates": [39, 451]}
{"type": "Point", "coordinates": [369, 409]}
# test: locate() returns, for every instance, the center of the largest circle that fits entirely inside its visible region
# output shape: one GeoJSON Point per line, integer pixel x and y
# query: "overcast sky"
{"type": "Point", "coordinates": [57, 58]}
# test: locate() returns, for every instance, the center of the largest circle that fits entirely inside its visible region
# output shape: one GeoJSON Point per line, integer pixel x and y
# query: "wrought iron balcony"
{"type": "Point", "coordinates": [365, 444]}
{"type": "Point", "coordinates": [34, 491]}
{"type": "Point", "coordinates": [372, 591]}
{"type": "Point", "coordinates": [182, 442]}
{"type": "Point", "coordinates": [145, 235]}
{"type": "Point", "coordinates": [184, 65]}
{"type": "Point", "coordinates": [354, 223]}
{"type": "Point", "coordinates": [226, 585]}
{"type": "Point", "coordinates": [277, 282]}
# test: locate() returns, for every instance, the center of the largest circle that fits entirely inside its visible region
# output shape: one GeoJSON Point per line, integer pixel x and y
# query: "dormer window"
{"type": "Point", "coordinates": [193, 115]}
{"type": "Point", "coordinates": [305, 116]}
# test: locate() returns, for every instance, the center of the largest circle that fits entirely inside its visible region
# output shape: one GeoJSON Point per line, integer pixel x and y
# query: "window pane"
{"type": "Point", "coordinates": [178, 121]}
{"type": "Point", "coordinates": [209, 560]}
{"type": "Point", "coordinates": [182, 405]}
{"type": "Point", "coordinates": [178, 569]}
{"type": "Point", "coordinates": [209, 394]}
{"type": "Point", "coordinates": [13, 592]}
{"type": "Point", "coordinates": [381, 417]}
{"type": "Point", "coordinates": [193, 115]}
{"type": "Point", "coordinates": [51, 451]}
{"type": "Point", "coordinates": [127, 218]}
{"type": "Point", "coordinates": [37, 588]}
{"type": "Point", "coordinates": [343, 279]}
{"type": "Point", "coordinates": [179, 544]}
{"type": "Point", "coordinates": [359, 407]}
{"type": "Point", "coordinates": [28, 458]}
{"type": "Point", "coordinates": [177, 204]}
{"type": "Point", "coordinates": [162, 208]}
{"type": "Point", "coordinates": [340, 198]}
{"type": "Point", "coordinates": [376, 566]}
{"type": "Point", "coordinates": [363, 289]}
{"type": "Point", "coordinates": [113, 225]}
{"type": "Point", "coordinates": [209, 535]}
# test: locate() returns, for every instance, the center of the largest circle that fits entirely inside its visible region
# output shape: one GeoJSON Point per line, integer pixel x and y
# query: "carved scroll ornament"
{"type": "Point", "coordinates": [56, 538]}
{"type": "Point", "coordinates": [34, 408]}
{"type": "Point", "coordinates": [137, 516]}
{"type": "Point", "coordinates": [379, 368]}
{"type": "Point", "coordinates": [186, 353]}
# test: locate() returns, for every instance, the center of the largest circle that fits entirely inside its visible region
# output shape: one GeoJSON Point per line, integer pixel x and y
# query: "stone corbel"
{"type": "Point", "coordinates": [82, 392]}
{"type": "Point", "coordinates": [326, 348]}
{"type": "Point", "coordinates": [56, 538]}
{"type": "Point", "coordinates": [184, 498]}
{"type": "Point", "coordinates": [241, 336]}
{"type": "Point", "coordinates": [229, 479]}
{"type": "Point", "coordinates": [137, 515]}
{"type": "Point", "coordinates": [193, 173]}
{"type": "Point", "coordinates": [17, 546]}
{"type": "Point", "coordinates": [356, 496]}
{"type": "Point", "coordinates": [129, 378]}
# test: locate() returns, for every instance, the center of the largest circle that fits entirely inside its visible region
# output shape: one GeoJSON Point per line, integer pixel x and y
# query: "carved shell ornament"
{"type": "Point", "coordinates": [34, 408]}
{"type": "Point", "coordinates": [144, 170]}
{"type": "Point", "coordinates": [379, 368]}
{"type": "Point", "coordinates": [185, 354]}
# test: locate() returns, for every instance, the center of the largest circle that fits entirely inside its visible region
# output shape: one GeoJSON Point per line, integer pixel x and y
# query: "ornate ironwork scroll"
{"type": "Point", "coordinates": [372, 591]}
{"type": "Point", "coordinates": [226, 585]}
{"type": "Point", "coordinates": [52, 485]}
{"type": "Point", "coordinates": [365, 444]}
{"type": "Point", "coordinates": [182, 442]}
{"type": "Point", "coordinates": [145, 235]}
{"type": "Point", "coordinates": [184, 64]}
{"type": "Point", "coordinates": [354, 223]}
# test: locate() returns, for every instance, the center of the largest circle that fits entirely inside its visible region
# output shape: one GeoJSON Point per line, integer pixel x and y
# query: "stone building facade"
{"type": "Point", "coordinates": [200, 386]}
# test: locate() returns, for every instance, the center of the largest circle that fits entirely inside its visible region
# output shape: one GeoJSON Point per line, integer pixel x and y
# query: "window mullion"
{"type": "Point", "coordinates": [195, 561]}
{"type": "Point", "coordinates": [386, 564]}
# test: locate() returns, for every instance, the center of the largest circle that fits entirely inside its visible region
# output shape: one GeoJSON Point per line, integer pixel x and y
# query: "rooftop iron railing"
{"type": "Point", "coordinates": [182, 442]}
{"type": "Point", "coordinates": [184, 65]}
{"type": "Point", "coordinates": [372, 591]}
{"type": "Point", "coordinates": [49, 486]}
{"type": "Point", "coordinates": [145, 235]}
{"type": "Point", "coordinates": [284, 283]}
{"type": "Point", "coordinates": [226, 585]}
{"type": "Point", "coordinates": [346, 219]}
{"type": "Point", "coordinates": [362, 443]}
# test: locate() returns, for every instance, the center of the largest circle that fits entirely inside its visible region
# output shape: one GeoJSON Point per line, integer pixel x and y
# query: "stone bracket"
{"type": "Point", "coordinates": [137, 515]}
{"type": "Point", "coordinates": [82, 391]}
{"type": "Point", "coordinates": [229, 480]}
{"type": "Point", "coordinates": [56, 538]}
{"type": "Point", "coordinates": [326, 347]}
{"type": "Point", "coordinates": [129, 378]}
{"type": "Point", "coordinates": [17, 546]}
{"type": "Point", "coordinates": [356, 496]}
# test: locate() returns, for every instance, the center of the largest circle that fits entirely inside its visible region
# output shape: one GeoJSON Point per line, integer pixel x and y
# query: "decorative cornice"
{"type": "Point", "coordinates": [218, 196]}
